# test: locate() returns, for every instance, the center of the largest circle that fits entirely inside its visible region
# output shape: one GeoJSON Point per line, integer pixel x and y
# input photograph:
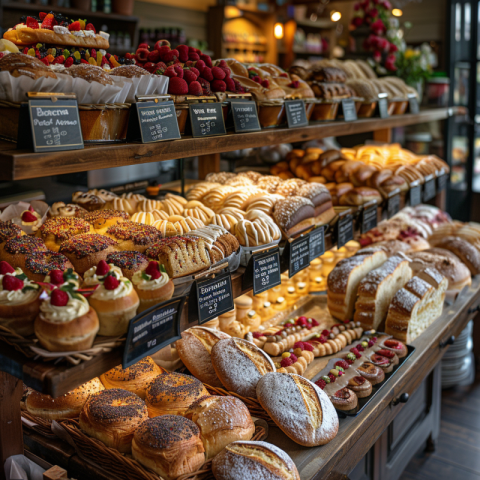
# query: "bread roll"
{"type": "Point", "coordinates": [221, 421]}
{"type": "Point", "coordinates": [135, 379]}
{"type": "Point", "coordinates": [464, 250]}
{"type": "Point", "coordinates": [359, 196]}
{"type": "Point", "coordinates": [299, 408]}
{"type": "Point", "coordinates": [169, 445]}
{"type": "Point", "coordinates": [253, 460]}
{"type": "Point", "coordinates": [294, 215]}
{"type": "Point", "coordinates": [195, 348]}
{"type": "Point", "coordinates": [239, 365]}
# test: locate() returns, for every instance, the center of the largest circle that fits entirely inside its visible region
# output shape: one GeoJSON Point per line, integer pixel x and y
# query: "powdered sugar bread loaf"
{"type": "Point", "coordinates": [294, 215]}
{"type": "Point", "coordinates": [377, 290]}
{"type": "Point", "coordinates": [414, 308]}
{"type": "Point", "coordinates": [344, 279]}
{"type": "Point", "coordinates": [299, 408]}
{"type": "Point", "coordinates": [195, 348]}
{"type": "Point", "coordinates": [244, 460]}
{"type": "Point", "coordinates": [239, 365]}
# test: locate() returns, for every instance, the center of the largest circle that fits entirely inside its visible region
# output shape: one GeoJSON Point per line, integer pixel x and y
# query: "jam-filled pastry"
{"type": "Point", "coordinates": [371, 372]}
{"type": "Point", "coordinates": [344, 399]}
{"type": "Point", "coordinates": [360, 386]}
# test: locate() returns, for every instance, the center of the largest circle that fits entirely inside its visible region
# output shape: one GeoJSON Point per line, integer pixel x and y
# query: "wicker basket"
{"type": "Point", "coordinates": [41, 426]}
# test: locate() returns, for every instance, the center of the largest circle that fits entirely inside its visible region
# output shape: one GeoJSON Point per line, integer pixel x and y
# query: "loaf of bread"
{"type": "Point", "coordinates": [464, 250]}
{"type": "Point", "coordinates": [344, 279]}
{"type": "Point", "coordinates": [377, 290]}
{"type": "Point", "coordinates": [294, 215]}
{"type": "Point", "coordinates": [359, 196]}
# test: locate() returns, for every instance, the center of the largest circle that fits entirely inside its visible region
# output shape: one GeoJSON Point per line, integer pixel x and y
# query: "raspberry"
{"type": "Point", "coordinates": [207, 74]}
{"type": "Point", "coordinates": [90, 27]}
{"type": "Point", "coordinates": [343, 364]}
{"type": "Point", "coordinates": [360, 348]}
{"type": "Point", "coordinates": [177, 86]}
{"type": "Point", "coordinates": [332, 377]}
{"type": "Point", "coordinates": [195, 71]}
{"type": "Point", "coordinates": [265, 84]}
{"type": "Point", "coordinates": [299, 345]}
{"type": "Point", "coordinates": [32, 23]}
{"type": "Point", "coordinates": [315, 323]}
{"type": "Point", "coordinates": [349, 361]}
{"type": "Point", "coordinates": [206, 59]}
{"type": "Point", "coordinates": [302, 321]}
{"type": "Point", "coordinates": [371, 344]}
{"type": "Point", "coordinates": [218, 73]}
{"type": "Point", "coordinates": [59, 298]}
{"type": "Point", "coordinates": [179, 71]}
{"type": "Point", "coordinates": [294, 84]}
{"type": "Point", "coordinates": [286, 362]}
{"type": "Point", "coordinates": [308, 347]}
{"type": "Point", "coordinates": [170, 56]}
{"type": "Point", "coordinates": [190, 77]}
{"type": "Point", "coordinates": [68, 62]}
{"type": "Point", "coordinates": [358, 355]}
{"type": "Point", "coordinates": [162, 44]}
{"type": "Point", "coordinates": [56, 277]}
{"type": "Point", "coordinates": [323, 339]}
{"type": "Point", "coordinates": [257, 334]}
{"type": "Point", "coordinates": [111, 282]}
{"type": "Point", "coordinates": [374, 339]}
{"type": "Point", "coordinates": [326, 333]}
{"type": "Point", "coordinates": [28, 217]}
{"type": "Point", "coordinates": [10, 283]}
{"type": "Point", "coordinates": [200, 65]}
{"type": "Point", "coordinates": [193, 56]}
{"type": "Point", "coordinates": [257, 79]}
{"type": "Point", "coordinates": [141, 54]}
{"type": "Point", "coordinates": [153, 56]}
{"type": "Point", "coordinates": [170, 72]}
{"type": "Point", "coordinates": [321, 383]}
{"type": "Point", "coordinates": [183, 53]}
{"type": "Point", "coordinates": [5, 268]}
{"type": "Point", "coordinates": [75, 26]}
{"type": "Point", "coordinates": [354, 350]}
{"type": "Point", "coordinates": [153, 270]}
{"type": "Point", "coordinates": [102, 268]}
{"type": "Point", "coordinates": [293, 357]}
{"type": "Point", "coordinates": [195, 89]}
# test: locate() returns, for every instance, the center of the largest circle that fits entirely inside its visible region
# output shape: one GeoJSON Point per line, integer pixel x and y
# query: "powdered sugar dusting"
{"type": "Point", "coordinates": [338, 277]}
{"type": "Point", "coordinates": [370, 283]}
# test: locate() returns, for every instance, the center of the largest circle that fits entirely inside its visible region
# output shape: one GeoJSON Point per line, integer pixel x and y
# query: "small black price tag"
{"type": "Point", "coordinates": [344, 230]}
{"type": "Point", "coordinates": [369, 218]}
{"type": "Point", "coordinates": [152, 330]}
{"type": "Point", "coordinates": [442, 181]}
{"type": "Point", "coordinates": [299, 255]}
{"type": "Point", "coordinates": [413, 104]}
{"type": "Point", "coordinates": [296, 114]}
{"type": "Point", "coordinates": [266, 271]}
{"type": "Point", "coordinates": [245, 117]}
{"type": "Point", "coordinates": [429, 188]}
{"type": "Point", "coordinates": [349, 109]}
{"type": "Point", "coordinates": [206, 119]}
{"type": "Point", "coordinates": [214, 297]}
{"type": "Point", "coordinates": [383, 107]}
{"type": "Point", "coordinates": [415, 195]}
{"type": "Point", "coordinates": [317, 242]}
{"type": "Point", "coordinates": [50, 124]}
{"type": "Point", "coordinates": [153, 122]}
{"type": "Point", "coordinates": [393, 205]}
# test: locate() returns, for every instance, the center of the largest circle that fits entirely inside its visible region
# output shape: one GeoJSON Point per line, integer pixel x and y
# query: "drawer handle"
{"type": "Point", "coordinates": [448, 341]}
{"type": "Point", "coordinates": [403, 398]}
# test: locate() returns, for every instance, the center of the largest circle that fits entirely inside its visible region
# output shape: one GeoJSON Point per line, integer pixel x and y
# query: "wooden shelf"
{"type": "Point", "coordinates": [21, 164]}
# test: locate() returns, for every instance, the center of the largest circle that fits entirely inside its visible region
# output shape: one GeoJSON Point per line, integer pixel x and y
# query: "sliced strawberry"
{"type": "Point", "coordinates": [75, 26]}
{"type": "Point", "coordinates": [90, 27]}
{"type": "Point", "coordinates": [56, 277]}
{"type": "Point", "coordinates": [5, 268]}
{"type": "Point", "coordinates": [28, 217]}
{"type": "Point", "coordinates": [32, 23]}
{"type": "Point", "coordinates": [42, 15]}
{"type": "Point", "coordinates": [102, 268]}
{"type": "Point", "coordinates": [59, 298]}
{"type": "Point", "coordinates": [48, 22]}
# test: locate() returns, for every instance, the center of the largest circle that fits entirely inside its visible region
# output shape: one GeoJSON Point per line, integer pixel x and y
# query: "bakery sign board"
{"type": "Point", "coordinates": [206, 119]}
{"type": "Point", "coordinates": [50, 122]}
{"type": "Point", "coordinates": [266, 271]}
{"type": "Point", "coordinates": [296, 113]}
{"type": "Point", "coordinates": [152, 330]}
{"type": "Point", "coordinates": [213, 296]}
{"type": "Point", "coordinates": [245, 116]}
{"type": "Point", "coordinates": [299, 255]}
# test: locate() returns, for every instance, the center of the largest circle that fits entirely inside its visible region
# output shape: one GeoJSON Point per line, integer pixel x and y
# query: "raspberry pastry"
{"type": "Point", "coordinates": [371, 372]}
{"type": "Point", "coordinates": [56, 230]}
{"type": "Point", "coordinates": [344, 399]}
{"type": "Point", "coordinates": [360, 386]}
{"type": "Point", "coordinates": [40, 264]}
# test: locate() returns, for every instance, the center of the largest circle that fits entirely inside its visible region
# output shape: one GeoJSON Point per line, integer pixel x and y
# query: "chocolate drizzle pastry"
{"type": "Point", "coordinates": [43, 263]}
{"type": "Point", "coordinates": [64, 228]}
{"type": "Point", "coordinates": [9, 230]}
{"type": "Point", "coordinates": [25, 245]}
{"type": "Point", "coordinates": [84, 245]}
{"type": "Point", "coordinates": [115, 405]}
{"type": "Point", "coordinates": [140, 234]}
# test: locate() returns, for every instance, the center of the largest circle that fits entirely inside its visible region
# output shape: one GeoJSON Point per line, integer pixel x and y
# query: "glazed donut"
{"type": "Point", "coordinates": [201, 213]}
{"type": "Point", "coordinates": [16, 250]}
{"type": "Point", "coordinates": [173, 206]}
{"type": "Point", "coordinates": [133, 236]}
{"type": "Point", "coordinates": [128, 262]}
{"type": "Point", "coordinates": [56, 230]}
{"type": "Point", "coordinates": [234, 212]}
{"type": "Point", "coordinates": [40, 264]}
{"type": "Point", "coordinates": [135, 378]}
{"type": "Point", "coordinates": [101, 220]}
{"type": "Point", "coordinates": [85, 251]}
{"type": "Point", "coordinates": [112, 416]}
{"type": "Point", "coordinates": [172, 394]}
{"type": "Point", "coordinates": [251, 234]}
{"type": "Point", "coordinates": [225, 220]}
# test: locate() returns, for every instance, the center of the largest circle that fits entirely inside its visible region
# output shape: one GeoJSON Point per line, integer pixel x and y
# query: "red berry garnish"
{"type": "Point", "coordinates": [293, 357]}
{"type": "Point", "coordinates": [354, 350]}
{"type": "Point", "coordinates": [332, 377]}
{"type": "Point", "coordinates": [386, 353]}
{"type": "Point", "coordinates": [111, 282]}
{"type": "Point", "coordinates": [10, 283]}
{"type": "Point", "coordinates": [358, 355]}
{"type": "Point", "coordinates": [323, 339]}
{"type": "Point", "coordinates": [349, 361]}
{"type": "Point", "coordinates": [374, 339]}
{"type": "Point", "coordinates": [315, 323]}
{"type": "Point", "coordinates": [59, 298]}
{"type": "Point", "coordinates": [75, 26]}
{"type": "Point", "coordinates": [302, 319]}
{"type": "Point", "coordinates": [321, 383]}
{"type": "Point", "coordinates": [371, 344]}
{"type": "Point", "coordinates": [32, 23]}
{"type": "Point", "coordinates": [56, 277]}
{"type": "Point", "coordinates": [153, 270]}
{"type": "Point", "coordinates": [5, 268]}
{"type": "Point", "coordinates": [393, 344]}
{"type": "Point", "coordinates": [307, 346]}
{"type": "Point", "coordinates": [300, 345]}
{"type": "Point", "coordinates": [360, 348]}
{"type": "Point", "coordinates": [340, 373]}
{"type": "Point", "coordinates": [257, 334]}
{"type": "Point", "coordinates": [326, 333]}
{"type": "Point", "coordinates": [102, 268]}
{"type": "Point", "coordinates": [286, 362]}
{"type": "Point", "coordinates": [28, 217]}
{"type": "Point", "coordinates": [343, 364]}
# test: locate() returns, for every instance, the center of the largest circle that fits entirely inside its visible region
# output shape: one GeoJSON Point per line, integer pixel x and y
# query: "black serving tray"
{"type": "Point", "coordinates": [363, 402]}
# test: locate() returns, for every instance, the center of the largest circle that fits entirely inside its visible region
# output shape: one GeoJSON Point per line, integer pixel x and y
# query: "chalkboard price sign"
{"type": "Point", "coordinates": [266, 271]}
{"type": "Point", "coordinates": [214, 297]}
{"type": "Point", "coordinates": [415, 195]}
{"type": "Point", "coordinates": [299, 255]}
{"type": "Point", "coordinates": [349, 110]}
{"type": "Point", "coordinates": [154, 122]}
{"type": "Point", "coordinates": [383, 106]}
{"type": "Point", "coordinates": [207, 119]}
{"type": "Point", "coordinates": [344, 230]}
{"type": "Point", "coordinates": [50, 124]}
{"type": "Point", "coordinates": [413, 104]}
{"type": "Point", "coordinates": [245, 117]}
{"type": "Point", "coordinates": [369, 218]}
{"type": "Point", "coordinates": [393, 205]}
{"type": "Point", "coordinates": [296, 114]}
{"type": "Point", "coordinates": [429, 189]}
{"type": "Point", "coordinates": [152, 330]}
{"type": "Point", "coordinates": [442, 182]}
{"type": "Point", "coordinates": [317, 243]}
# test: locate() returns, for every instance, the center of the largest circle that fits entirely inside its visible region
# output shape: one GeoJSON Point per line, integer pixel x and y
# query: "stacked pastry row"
{"type": "Point", "coordinates": [167, 421]}
{"type": "Point", "coordinates": [356, 176]}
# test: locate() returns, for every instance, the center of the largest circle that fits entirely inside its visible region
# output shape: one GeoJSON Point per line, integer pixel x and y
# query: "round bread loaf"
{"type": "Point", "coordinates": [195, 348]}
{"type": "Point", "coordinates": [307, 417]}
{"type": "Point", "coordinates": [464, 250]}
{"type": "Point", "coordinates": [239, 365]}
{"type": "Point", "coordinates": [221, 421]}
{"type": "Point", "coordinates": [253, 460]}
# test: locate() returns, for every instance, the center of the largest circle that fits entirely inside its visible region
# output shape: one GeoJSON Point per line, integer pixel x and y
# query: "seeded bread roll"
{"type": "Point", "coordinates": [195, 348]}
{"type": "Point", "coordinates": [239, 365]}
{"type": "Point", "coordinates": [307, 417]}
{"type": "Point", "coordinates": [221, 421]}
{"type": "Point", "coordinates": [253, 460]}
{"type": "Point", "coordinates": [294, 215]}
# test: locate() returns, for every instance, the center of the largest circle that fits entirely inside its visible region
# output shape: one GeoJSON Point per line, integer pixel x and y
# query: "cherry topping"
{"type": "Point", "coordinates": [59, 298]}
{"type": "Point", "coordinates": [386, 353]}
{"type": "Point", "coordinates": [359, 380]}
{"type": "Point", "coordinates": [343, 394]}
{"type": "Point", "coordinates": [56, 277]}
{"type": "Point", "coordinates": [10, 283]}
{"type": "Point", "coordinates": [379, 359]}
{"type": "Point", "coordinates": [257, 334]}
{"type": "Point", "coordinates": [102, 268]}
{"type": "Point", "coordinates": [5, 268]}
{"type": "Point", "coordinates": [153, 270]}
{"type": "Point", "coordinates": [111, 282]}
{"type": "Point", "coordinates": [393, 344]}
{"type": "Point", "coordinates": [29, 217]}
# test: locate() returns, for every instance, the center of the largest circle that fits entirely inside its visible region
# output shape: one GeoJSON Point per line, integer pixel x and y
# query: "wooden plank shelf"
{"type": "Point", "coordinates": [21, 164]}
